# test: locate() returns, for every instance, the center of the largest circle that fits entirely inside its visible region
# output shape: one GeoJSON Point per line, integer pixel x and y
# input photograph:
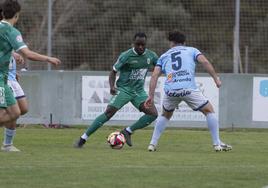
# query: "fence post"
{"type": "Point", "coordinates": [49, 32]}
{"type": "Point", "coordinates": [236, 52]}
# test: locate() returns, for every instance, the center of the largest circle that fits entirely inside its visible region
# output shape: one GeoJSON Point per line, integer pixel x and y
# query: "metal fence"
{"type": "Point", "coordinates": [90, 34]}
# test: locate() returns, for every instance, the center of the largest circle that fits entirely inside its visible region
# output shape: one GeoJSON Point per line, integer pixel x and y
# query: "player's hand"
{"type": "Point", "coordinates": [54, 61]}
{"type": "Point", "coordinates": [19, 59]}
{"type": "Point", "coordinates": [149, 102]}
{"type": "Point", "coordinates": [113, 91]}
{"type": "Point", "coordinates": [218, 83]}
{"type": "Point", "coordinates": [18, 77]}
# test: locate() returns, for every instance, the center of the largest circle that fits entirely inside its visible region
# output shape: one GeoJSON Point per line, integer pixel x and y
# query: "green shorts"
{"type": "Point", "coordinates": [122, 98]}
{"type": "Point", "coordinates": [6, 96]}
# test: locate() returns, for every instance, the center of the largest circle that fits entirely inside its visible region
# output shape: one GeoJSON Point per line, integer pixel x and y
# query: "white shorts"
{"type": "Point", "coordinates": [16, 89]}
{"type": "Point", "coordinates": [194, 98]}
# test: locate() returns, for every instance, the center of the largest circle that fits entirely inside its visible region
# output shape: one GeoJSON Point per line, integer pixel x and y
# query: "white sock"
{"type": "Point", "coordinates": [84, 136]}
{"type": "Point", "coordinates": [8, 136]}
{"type": "Point", "coordinates": [159, 128]}
{"type": "Point", "coordinates": [213, 126]}
{"type": "Point", "coordinates": [129, 130]}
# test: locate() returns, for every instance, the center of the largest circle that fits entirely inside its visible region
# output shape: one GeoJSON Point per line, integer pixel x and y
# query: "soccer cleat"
{"type": "Point", "coordinates": [222, 147]}
{"type": "Point", "coordinates": [151, 147]}
{"type": "Point", "coordinates": [217, 148]}
{"type": "Point", "coordinates": [9, 148]}
{"type": "Point", "coordinates": [79, 143]}
{"type": "Point", "coordinates": [226, 147]}
{"type": "Point", "coordinates": [127, 137]}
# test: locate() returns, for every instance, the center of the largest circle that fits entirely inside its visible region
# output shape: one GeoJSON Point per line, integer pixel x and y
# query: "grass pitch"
{"type": "Point", "coordinates": [184, 159]}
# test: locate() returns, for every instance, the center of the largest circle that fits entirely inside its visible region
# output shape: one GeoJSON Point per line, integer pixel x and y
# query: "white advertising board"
{"type": "Point", "coordinates": [260, 99]}
{"type": "Point", "coordinates": [95, 98]}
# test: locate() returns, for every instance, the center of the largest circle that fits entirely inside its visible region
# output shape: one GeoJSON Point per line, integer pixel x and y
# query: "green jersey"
{"type": "Point", "coordinates": [10, 39]}
{"type": "Point", "coordinates": [133, 69]}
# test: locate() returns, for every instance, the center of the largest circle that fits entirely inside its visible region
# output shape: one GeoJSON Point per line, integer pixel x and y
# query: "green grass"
{"type": "Point", "coordinates": [184, 159]}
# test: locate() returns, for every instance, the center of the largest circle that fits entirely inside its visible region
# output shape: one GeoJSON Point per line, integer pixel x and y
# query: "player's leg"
{"type": "Point", "coordinates": [9, 134]}
{"type": "Point", "coordinates": [159, 128]}
{"type": "Point", "coordinates": [23, 105]}
{"type": "Point", "coordinates": [10, 127]}
{"type": "Point", "coordinates": [99, 121]}
{"type": "Point", "coordinates": [149, 116]}
{"type": "Point", "coordinates": [213, 125]}
{"type": "Point", "coordinates": [197, 101]}
{"type": "Point", "coordinates": [4, 116]}
{"type": "Point", "coordinates": [169, 105]}
{"type": "Point", "coordinates": [9, 109]}
{"type": "Point", "coordinates": [145, 120]}
{"type": "Point", "coordinates": [96, 124]}
{"type": "Point", "coordinates": [19, 96]}
{"type": "Point", "coordinates": [9, 113]}
{"type": "Point", "coordinates": [116, 103]}
{"type": "Point", "coordinates": [13, 113]}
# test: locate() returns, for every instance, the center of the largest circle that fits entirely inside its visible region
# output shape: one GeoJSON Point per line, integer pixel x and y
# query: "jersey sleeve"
{"type": "Point", "coordinates": [155, 59]}
{"type": "Point", "coordinates": [121, 61]}
{"type": "Point", "coordinates": [16, 40]}
{"type": "Point", "coordinates": [196, 53]}
{"type": "Point", "coordinates": [159, 63]}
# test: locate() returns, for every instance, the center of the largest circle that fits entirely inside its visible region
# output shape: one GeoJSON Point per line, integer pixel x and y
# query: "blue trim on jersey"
{"type": "Point", "coordinates": [12, 69]}
{"type": "Point", "coordinates": [20, 97]}
{"type": "Point", "coordinates": [197, 56]}
{"type": "Point", "coordinates": [200, 107]}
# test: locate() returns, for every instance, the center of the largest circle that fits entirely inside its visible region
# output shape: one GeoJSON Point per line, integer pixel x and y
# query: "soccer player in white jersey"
{"type": "Point", "coordinates": [178, 65]}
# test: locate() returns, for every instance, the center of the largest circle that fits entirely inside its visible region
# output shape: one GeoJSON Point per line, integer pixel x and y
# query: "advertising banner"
{"type": "Point", "coordinates": [260, 99]}
{"type": "Point", "coordinates": [96, 96]}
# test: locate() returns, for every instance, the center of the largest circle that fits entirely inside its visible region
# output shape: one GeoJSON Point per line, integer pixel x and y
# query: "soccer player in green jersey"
{"type": "Point", "coordinates": [133, 66]}
{"type": "Point", "coordinates": [11, 39]}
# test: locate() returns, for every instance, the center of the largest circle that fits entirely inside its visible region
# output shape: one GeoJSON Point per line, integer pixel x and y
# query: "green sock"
{"type": "Point", "coordinates": [97, 123]}
{"type": "Point", "coordinates": [144, 121]}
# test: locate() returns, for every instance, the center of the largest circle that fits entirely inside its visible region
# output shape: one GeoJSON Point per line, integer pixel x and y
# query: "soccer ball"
{"type": "Point", "coordinates": [116, 140]}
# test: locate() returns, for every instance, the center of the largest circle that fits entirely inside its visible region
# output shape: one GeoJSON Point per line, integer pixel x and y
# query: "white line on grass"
{"type": "Point", "coordinates": [135, 166]}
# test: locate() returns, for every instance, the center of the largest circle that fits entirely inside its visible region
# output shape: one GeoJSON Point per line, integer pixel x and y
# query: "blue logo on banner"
{"type": "Point", "coordinates": [264, 88]}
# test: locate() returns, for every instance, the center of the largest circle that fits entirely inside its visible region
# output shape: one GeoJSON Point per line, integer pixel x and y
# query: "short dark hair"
{"type": "Point", "coordinates": [177, 37]}
{"type": "Point", "coordinates": [10, 8]}
{"type": "Point", "coordinates": [140, 34]}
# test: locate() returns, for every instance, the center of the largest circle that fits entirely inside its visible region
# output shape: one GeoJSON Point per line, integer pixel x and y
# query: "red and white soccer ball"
{"type": "Point", "coordinates": [116, 140]}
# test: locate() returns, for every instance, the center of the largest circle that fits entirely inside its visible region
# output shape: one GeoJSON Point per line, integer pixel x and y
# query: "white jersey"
{"type": "Point", "coordinates": [12, 81]}
{"type": "Point", "coordinates": [12, 69]}
{"type": "Point", "coordinates": [178, 65]}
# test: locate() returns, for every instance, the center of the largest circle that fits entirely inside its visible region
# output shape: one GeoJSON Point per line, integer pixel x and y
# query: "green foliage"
{"type": "Point", "coordinates": [91, 34]}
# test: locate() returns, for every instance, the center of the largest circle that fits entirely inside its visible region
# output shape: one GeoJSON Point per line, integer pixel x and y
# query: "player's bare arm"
{"type": "Point", "coordinates": [112, 77]}
{"type": "Point", "coordinates": [209, 68]}
{"type": "Point", "coordinates": [31, 55]}
{"type": "Point", "coordinates": [153, 82]}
